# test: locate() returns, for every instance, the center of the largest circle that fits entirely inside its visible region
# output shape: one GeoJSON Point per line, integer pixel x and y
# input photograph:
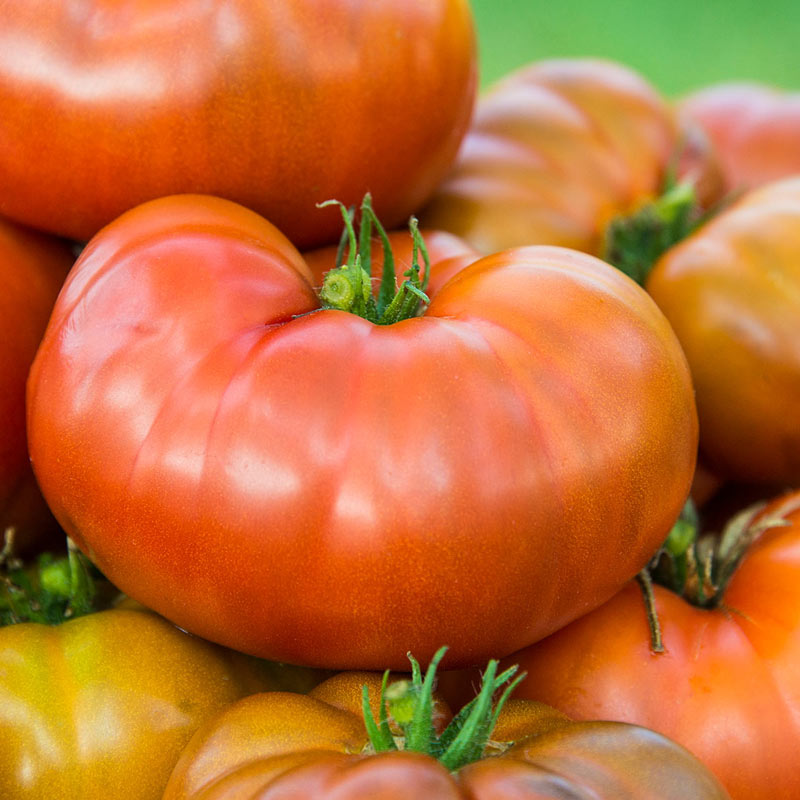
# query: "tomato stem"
{"type": "Point", "coordinates": [410, 706]}
{"type": "Point", "coordinates": [653, 622]}
{"type": "Point", "coordinates": [380, 735]}
{"type": "Point", "coordinates": [348, 287]}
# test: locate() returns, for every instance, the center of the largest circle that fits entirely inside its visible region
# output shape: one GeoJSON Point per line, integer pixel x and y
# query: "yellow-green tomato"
{"type": "Point", "coordinates": [100, 707]}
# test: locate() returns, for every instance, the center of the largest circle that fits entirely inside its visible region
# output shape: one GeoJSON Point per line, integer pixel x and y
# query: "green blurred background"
{"type": "Point", "coordinates": [678, 45]}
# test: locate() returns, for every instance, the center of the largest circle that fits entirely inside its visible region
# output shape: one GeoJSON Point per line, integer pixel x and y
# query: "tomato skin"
{"type": "Point", "coordinates": [705, 484]}
{"type": "Point", "coordinates": [727, 687]}
{"type": "Point", "coordinates": [555, 151]}
{"type": "Point", "coordinates": [195, 427]}
{"type": "Point", "coordinates": [101, 706]}
{"type": "Point", "coordinates": [753, 127]}
{"type": "Point", "coordinates": [310, 747]}
{"type": "Point", "coordinates": [732, 293]}
{"type": "Point", "coordinates": [32, 269]}
{"type": "Point", "coordinates": [277, 104]}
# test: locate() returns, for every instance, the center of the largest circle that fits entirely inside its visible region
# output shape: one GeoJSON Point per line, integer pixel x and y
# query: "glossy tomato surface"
{"type": "Point", "coordinates": [101, 706]}
{"type": "Point", "coordinates": [277, 104]}
{"type": "Point", "coordinates": [314, 747]}
{"type": "Point", "coordinates": [32, 270]}
{"type": "Point", "coordinates": [728, 685]}
{"type": "Point", "coordinates": [732, 293]}
{"type": "Point", "coordinates": [753, 127]}
{"type": "Point", "coordinates": [302, 484]}
{"type": "Point", "coordinates": [555, 151]}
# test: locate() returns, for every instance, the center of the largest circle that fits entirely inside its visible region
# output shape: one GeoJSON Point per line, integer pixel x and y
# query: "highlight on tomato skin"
{"type": "Point", "coordinates": [215, 441]}
{"type": "Point", "coordinates": [275, 104]}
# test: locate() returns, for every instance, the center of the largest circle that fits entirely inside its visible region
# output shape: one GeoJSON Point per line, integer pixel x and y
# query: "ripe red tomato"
{"type": "Point", "coordinates": [32, 269]}
{"type": "Point", "coordinates": [754, 129]}
{"type": "Point", "coordinates": [556, 150]}
{"type": "Point", "coordinates": [102, 705]}
{"type": "Point", "coordinates": [731, 291]}
{"type": "Point", "coordinates": [316, 746]}
{"type": "Point", "coordinates": [728, 685]}
{"type": "Point", "coordinates": [277, 104]}
{"type": "Point", "coordinates": [305, 485]}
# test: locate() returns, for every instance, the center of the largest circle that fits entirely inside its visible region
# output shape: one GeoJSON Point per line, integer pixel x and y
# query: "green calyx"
{"type": "Point", "coordinates": [348, 287]}
{"type": "Point", "coordinates": [634, 243]}
{"type": "Point", "coordinates": [54, 590]}
{"type": "Point", "coordinates": [409, 704]}
{"type": "Point", "coordinates": [699, 567]}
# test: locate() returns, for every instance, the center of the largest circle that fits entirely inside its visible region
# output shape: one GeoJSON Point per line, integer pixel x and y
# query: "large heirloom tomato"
{"type": "Point", "coordinates": [101, 706]}
{"type": "Point", "coordinates": [728, 684]}
{"type": "Point", "coordinates": [558, 149]}
{"type": "Point", "coordinates": [32, 269]}
{"type": "Point", "coordinates": [731, 292]}
{"type": "Point", "coordinates": [316, 747]}
{"type": "Point", "coordinates": [277, 104]}
{"type": "Point", "coordinates": [306, 485]}
{"type": "Point", "coordinates": [755, 130]}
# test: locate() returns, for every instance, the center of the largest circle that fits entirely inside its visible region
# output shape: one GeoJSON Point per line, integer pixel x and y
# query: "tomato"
{"type": "Point", "coordinates": [32, 269]}
{"type": "Point", "coordinates": [316, 747]}
{"type": "Point", "coordinates": [753, 127]}
{"type": "Point", "coordinates": [305, 485]}
{"type": "Point", "coordinates": [276, 104]}
{"type": "Point", "coordinates": [558, 149]}
{"type": "Point", "coordinates": [731, 292]}
{"type": "Point", "coordinates": [705, 484]}
{"type": "Point", "coordinates": [727, 686]}
{"type": "Point", "coordinates": [102, 705]}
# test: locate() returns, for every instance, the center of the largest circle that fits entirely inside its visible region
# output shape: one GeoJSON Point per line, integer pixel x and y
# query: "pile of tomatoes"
{"type": "Point", "coordinates": [261, 442]}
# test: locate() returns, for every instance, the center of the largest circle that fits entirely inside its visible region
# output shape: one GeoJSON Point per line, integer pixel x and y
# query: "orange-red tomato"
{"type": "Point", "coordinates": [556, 150]}
{"type": "Point", "coordinates": [32, 269]}
{"type": "Point", "coordinates": [101, 706]}
{"type": "Point", "coordinates": [731, 291]}
{"type": "Point", "coordinates": [754, 129]}
{"type": "Point", "coordinates": [302, 484]}
{"type": "Point", "coordinates": [315, 748]}
{"type": "Point", "coordinates": [277, 104]}
{"type": "Point", "coordinates": [728, 685]}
